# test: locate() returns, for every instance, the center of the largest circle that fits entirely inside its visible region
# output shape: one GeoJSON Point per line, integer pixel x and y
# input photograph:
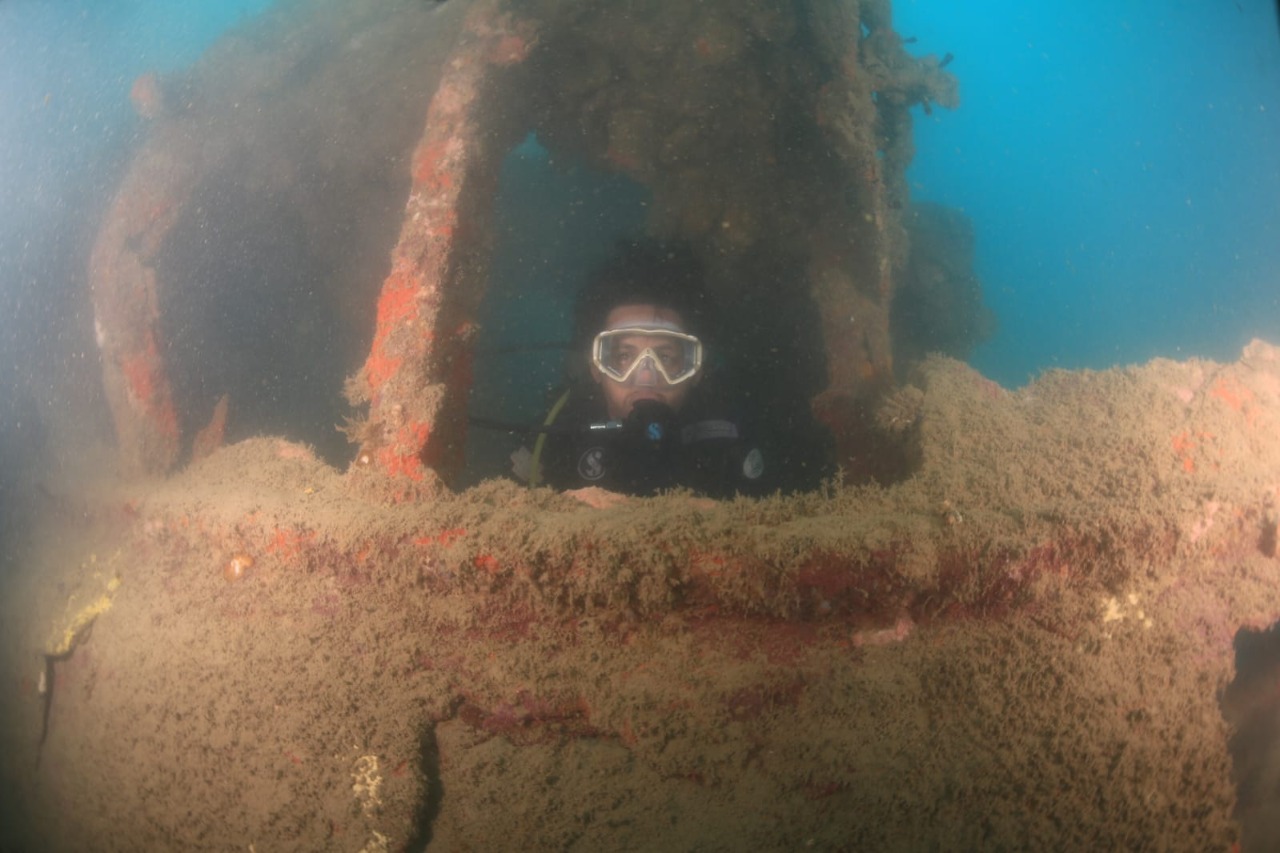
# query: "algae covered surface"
{"type": "Point", "coordinates": [1022, 646]}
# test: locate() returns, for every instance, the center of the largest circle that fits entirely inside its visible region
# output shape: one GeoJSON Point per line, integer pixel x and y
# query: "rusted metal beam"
{"type": "Point", "coordinates": [126, 296]}
{"type": "Point", "coordinates": [860, 249]}
{"type": "Point", "coordinates": [418, 372]}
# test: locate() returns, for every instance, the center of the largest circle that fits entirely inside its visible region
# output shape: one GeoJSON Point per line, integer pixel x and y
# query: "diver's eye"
{"type": "Point", "coordinates": [670, 357]}
{"type": "Point", "coordinates": [622, 357]}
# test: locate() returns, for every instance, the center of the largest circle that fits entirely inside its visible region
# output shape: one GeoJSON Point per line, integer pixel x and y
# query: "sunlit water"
{"type": "Point", "coordinates": [1121, 163]}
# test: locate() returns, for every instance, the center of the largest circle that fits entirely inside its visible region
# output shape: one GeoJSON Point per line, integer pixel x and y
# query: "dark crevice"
{"type": "Point", "coordinates": [433, 793]}
{"type": "Point", "coordinates": [1251, 707]}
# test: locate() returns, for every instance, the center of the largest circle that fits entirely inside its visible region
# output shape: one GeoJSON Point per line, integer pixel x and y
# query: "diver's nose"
{"type": "Point", "coordinates": [645, 372]}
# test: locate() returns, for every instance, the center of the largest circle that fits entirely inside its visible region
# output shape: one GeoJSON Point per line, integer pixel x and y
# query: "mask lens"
{"type": "Point", "coordinates": [647, 356]}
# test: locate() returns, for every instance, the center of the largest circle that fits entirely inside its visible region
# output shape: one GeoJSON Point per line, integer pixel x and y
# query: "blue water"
{"type": "Point", "coordinates": [1121, 163]}
{"type": "Point", "coordinates": [66, 127]}
{"type": "Point", "coordinates": [65, 72]}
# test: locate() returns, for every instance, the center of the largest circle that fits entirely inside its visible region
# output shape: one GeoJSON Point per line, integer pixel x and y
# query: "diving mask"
{"type": "Point", "coordinates": [643, 354]}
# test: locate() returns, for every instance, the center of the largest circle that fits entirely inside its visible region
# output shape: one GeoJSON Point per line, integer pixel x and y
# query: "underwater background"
{"type": "Point", "coordinates": [1120, 169]}
{"type": "Point", "coordinates": [1120, 164]}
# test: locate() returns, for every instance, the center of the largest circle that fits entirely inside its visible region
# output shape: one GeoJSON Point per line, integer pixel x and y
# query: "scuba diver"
{"type": "Point", "coordinates": [640, 415]}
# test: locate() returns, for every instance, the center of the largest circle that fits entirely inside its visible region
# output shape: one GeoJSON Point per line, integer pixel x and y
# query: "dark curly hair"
{"type": "Point", "coordinates": [642, 272]}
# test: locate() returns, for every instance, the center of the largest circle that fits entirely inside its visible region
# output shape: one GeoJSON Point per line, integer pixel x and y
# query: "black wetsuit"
{"type": "Point", "coordinates": [654, 450]}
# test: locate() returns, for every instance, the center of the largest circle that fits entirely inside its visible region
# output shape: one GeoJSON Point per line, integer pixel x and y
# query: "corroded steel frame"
{"type": "Point", "coordinates": [418, 371]}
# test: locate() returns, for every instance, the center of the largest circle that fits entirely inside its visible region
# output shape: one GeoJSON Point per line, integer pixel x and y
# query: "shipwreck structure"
{"type": "Point", "coordinates": [764, 134]}
{"type": "Point", "coordinates": [1028, 643]}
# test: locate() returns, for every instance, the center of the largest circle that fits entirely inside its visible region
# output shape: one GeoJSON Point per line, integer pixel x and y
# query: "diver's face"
{"type": "Point", "coordinates": [646, 384]}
